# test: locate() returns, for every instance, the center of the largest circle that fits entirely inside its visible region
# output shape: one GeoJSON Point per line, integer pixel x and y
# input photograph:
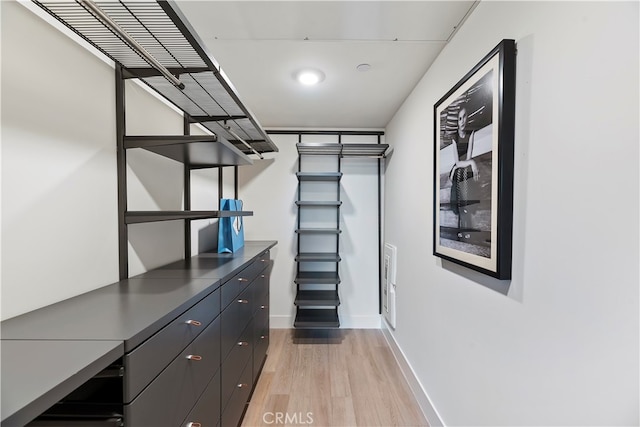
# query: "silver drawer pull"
{"type": "Point", "coordinates": [262, 276]}
{"type": "Point", "coordinates": [243, 385]}
{"type": "Point", "coordinates": [263, 260]}
{"type": "Point", "coordinates": [194, 357]}
{"type": "Point", "coordinates": [243, 280]}
{"type": "Point", "coordinates": [192, 424]}
{"type": "Point", "coordinates": [193, 323]}
{"type": "Point", "coordinates": [263, 307]}
{"type": "Point", "coordinates": [243, 343]}
{"type": "Point", "coordinates": [243, 301]}
{"type": "Point", "coordinates": [262, 337]}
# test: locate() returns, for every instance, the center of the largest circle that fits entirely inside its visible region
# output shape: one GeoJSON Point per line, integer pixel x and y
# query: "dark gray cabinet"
{"type": "Point", "coordinates": [186, 354]}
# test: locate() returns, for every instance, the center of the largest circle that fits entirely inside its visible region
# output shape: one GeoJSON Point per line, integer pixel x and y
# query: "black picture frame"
{"type": "Point", "coordinates": [473, 166]}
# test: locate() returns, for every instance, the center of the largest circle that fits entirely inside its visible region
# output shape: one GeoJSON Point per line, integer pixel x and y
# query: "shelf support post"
{"type": "Point", "coordinates": [121, 159]}
{"type": "Point", "coordinates": [187, 191]}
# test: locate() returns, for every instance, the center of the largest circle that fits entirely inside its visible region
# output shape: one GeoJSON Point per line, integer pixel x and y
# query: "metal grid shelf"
{"type": "Point", "coordinates": [161, 29]}
{"type": "Point", "coordinates": [342, 150]}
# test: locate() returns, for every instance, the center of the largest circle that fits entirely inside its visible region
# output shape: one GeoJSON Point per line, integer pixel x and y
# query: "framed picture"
{"type": "Point", "coordinates": [473, 156]}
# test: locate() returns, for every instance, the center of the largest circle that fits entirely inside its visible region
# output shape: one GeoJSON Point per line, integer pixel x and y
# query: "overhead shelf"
{"type": "Point", "coordinates": [342, 150]}
{"type": "Point", "coordinates": [136, 217]}
{"type": "Point", "coordinates": [194, 151]}
{"type": "Point", "coordinates": [159, 28]}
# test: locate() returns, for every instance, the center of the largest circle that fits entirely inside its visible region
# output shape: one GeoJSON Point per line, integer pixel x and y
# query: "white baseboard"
{"type": "Point", "coordinates": [430, 413]}
{"type": "Point", "coordinates": [346, 322]}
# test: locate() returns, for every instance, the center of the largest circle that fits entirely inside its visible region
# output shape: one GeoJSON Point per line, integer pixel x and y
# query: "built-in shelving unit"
{"type": "Point", "coordinates": [317, 274]}
{"type": "Point", "coordinates": [151, 41]}
{"type": "Point", "coordinates": [178, 350]}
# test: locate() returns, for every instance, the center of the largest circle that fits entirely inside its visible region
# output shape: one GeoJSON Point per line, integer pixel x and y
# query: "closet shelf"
{"type": "Point", "coordinates": [318, 257]}
{"type": "Point", "coordinates": [317, 277]}
{"type": "Point", "coordinates": [207, 96]}
{"type": "Point", "coordinates": [194, 151]}
{"type": "Point", "coordinates": [317, 298]}
{"type": "Point", "coordinates": [343, 150]}
{"type": "Point", "coordinates": [136, 217]}
{"type": "Point", "coordinates": [318, 231]}
{"type": "Point", "coordinates": [319, 176]}
{"type": "Point", "coordinates": [314, 318]}
{"type": "Point", "coordinates": [318, 203]}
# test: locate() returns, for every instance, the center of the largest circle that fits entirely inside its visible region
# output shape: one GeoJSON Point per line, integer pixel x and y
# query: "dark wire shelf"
{"type": "Point", "coordinates": [207, 96]}
{"type": "Point", "coordinates": [342, 150]}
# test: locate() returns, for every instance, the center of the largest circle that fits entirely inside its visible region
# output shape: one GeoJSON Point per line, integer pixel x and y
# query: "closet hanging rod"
{"type": "Point", "coordinates": [113, 26]}
{"type": "Point", "coordinates": [236, 136]}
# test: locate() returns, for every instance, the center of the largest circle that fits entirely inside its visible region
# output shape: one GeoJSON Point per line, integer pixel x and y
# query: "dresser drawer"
{"type": "Point", "coordinates": [232, 366]}
{"type": "Point", "coordinates": [151, 357]}
{"type": "Point", "coordinates": [232, 413]}
{"type": "Point", "coordinates": [232, 288]}
{"type": "Point", "coordinates": [260, 340]}
{"type": "Point", "coordinates": [206, 413]}
{"type": "Point", "coordinates": [260, 292]}
{"type": "Point", "coordinates": [170, 397]}
{"type": "Point", "coordinates": [234, 320]}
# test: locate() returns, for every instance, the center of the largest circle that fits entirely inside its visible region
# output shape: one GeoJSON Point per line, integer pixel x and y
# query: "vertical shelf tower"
{"type": "Point", "coordinates": [318, 230]}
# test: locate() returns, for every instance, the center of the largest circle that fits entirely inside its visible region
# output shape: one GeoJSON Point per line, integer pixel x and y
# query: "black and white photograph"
{"type": "Point", "coordinates": [473, 160]}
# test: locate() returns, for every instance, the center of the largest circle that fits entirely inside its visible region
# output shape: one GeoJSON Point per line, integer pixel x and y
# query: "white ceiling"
{"type": "Point", "coordinates": [260, 44]}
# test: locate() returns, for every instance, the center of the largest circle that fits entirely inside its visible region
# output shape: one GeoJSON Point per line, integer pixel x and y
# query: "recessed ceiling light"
{"type": "Point", "coordinates": [309, 77]}
{"type": "Point", "coordinates": [363, 67]}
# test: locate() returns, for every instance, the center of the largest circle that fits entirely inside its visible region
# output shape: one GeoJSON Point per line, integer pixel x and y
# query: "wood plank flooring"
{"type": "Point", "coordinates": [341, 377]}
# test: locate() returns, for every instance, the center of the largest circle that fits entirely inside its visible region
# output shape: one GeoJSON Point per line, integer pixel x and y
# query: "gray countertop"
{"type": "Point", "coordinates": [134, 309]}
{"type": "Point", "coordinates": [48, 352]}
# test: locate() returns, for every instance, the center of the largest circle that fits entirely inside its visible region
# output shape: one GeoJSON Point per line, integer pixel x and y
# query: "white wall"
{"type": "Point", "coordinates": [59, 184]}
{"type": "Point", "coordinates": [59, 219]}
{"type": "Point", "coordinates": [269, 188]}
{"type": "Point", "coordinates": [561, 347]}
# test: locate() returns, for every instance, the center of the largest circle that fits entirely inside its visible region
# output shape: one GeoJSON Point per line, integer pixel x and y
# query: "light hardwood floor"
{"type": "Point", "coordinates": [341, 377]}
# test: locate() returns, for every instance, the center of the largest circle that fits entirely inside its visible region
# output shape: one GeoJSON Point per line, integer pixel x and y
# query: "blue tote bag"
{"type": "Point", "coordinates": [230, 229]}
